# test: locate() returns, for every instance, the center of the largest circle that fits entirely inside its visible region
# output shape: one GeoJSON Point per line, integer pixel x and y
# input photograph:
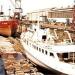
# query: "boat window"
{"type": "Point", "coordinates": [37, 48]}
{"type": "Point", "coordinates": [46, 52]}
{"type": "Point", "coordinates": [51, 54]}
{"type": "Point", "coordinates": [42, 50]}
{"type": "Point", "coordinates": [34, 46]}
{"type": "Point", "coordinates": [67, 57]}
{"type": "Point", "coordinates": [44, 37]}
{"type": "Point", "coordinates": [60, 55]}
{"type": "Point", "coordinates": [63, 56]}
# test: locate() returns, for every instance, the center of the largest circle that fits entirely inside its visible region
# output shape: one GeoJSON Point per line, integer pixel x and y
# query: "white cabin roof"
{"type": "Point", "coordinates": [63, 48]}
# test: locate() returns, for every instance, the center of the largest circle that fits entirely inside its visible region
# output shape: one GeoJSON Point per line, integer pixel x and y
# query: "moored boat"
{"type": "Point", "coordinates": [8, 26]}
{"type": "Point", "coordinates": [52, 49]}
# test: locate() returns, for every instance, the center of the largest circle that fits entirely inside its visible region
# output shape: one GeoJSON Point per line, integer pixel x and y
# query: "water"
{"type": "Point", "coordinates": [2, 71]}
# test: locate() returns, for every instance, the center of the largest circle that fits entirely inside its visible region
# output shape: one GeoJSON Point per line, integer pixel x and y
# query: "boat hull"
{"type": "Point", "coordinates": [37, 61]}
{"type": "Point", "coordinates": [8, 28]}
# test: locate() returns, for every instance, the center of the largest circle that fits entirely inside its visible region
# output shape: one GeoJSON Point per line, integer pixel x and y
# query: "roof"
{"type": "Point", "coordinates": [63, 48]}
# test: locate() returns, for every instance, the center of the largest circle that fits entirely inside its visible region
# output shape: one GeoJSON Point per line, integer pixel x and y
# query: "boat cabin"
{"type": "Point", "coordinates": [68, 57]}
{"type": "Point", "coordinates": [56, 37]}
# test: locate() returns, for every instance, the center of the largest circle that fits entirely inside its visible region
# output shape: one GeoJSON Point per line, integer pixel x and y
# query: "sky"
{"type": "Point", "coordinates": [31, 5]}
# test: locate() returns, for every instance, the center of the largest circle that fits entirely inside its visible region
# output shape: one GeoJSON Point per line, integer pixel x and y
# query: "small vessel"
{"type": "Point", "coordinates": [52, 49]}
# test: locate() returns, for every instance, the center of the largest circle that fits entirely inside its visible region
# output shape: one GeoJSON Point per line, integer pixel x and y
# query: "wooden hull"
{"type": "Point", "coordinates": [8, 28]}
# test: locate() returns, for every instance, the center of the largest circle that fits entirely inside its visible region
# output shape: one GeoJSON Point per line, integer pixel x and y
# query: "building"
{"type": "Point", "coordinates": [51, 13]}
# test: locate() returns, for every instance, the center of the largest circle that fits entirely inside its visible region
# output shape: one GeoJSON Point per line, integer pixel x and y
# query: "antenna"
{"type": "Point", "coordinates": [18, 9]}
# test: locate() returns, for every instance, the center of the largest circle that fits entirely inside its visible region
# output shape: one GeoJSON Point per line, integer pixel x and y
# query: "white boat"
{"type": "Point", "coordinates": [52, 49]}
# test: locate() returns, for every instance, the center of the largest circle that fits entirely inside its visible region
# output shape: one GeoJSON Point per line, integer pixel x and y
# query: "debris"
{"type": "Point", "coordinates": [15, 62]}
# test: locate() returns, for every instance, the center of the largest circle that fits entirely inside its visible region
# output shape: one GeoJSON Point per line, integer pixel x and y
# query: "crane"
{"type": "Point", "coordinates": [12, 3]}
{"type": "Point", "coordinates": [17, 14]}
{"type": "Point", "coordinates": [17, 6]}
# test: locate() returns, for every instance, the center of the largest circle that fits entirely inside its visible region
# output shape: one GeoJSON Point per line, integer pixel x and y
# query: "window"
{"type": "Point", "coordinates": [51, 54]}
{"type": "Point", "coordinates": [42, 50]}
{"type": "Point", "coordinates": [34, 46]}
{"type": "Point", "coordinates": [37, 48]}
{"type": "Point", "coordinates": [44, 37]}
{"type": "Point", "coordinates": [46, 52]}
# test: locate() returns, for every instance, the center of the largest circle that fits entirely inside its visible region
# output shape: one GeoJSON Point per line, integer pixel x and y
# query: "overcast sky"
{"type": "Point", "coordinates": [30, 5]}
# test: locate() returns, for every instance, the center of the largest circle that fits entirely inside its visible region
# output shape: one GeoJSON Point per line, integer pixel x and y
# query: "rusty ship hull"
{"type": "Point", "coordinates": [8, 27]}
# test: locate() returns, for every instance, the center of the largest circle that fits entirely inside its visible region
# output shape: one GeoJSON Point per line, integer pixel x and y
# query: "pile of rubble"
{"type": "Point", "coordinates": [14, 61]}
{"type": "Point", "coordinates": [16, 44]}
{"type": "Point", "coordinates": [16, 66]}
{"type": "Point", "coordinates": [6, 46]}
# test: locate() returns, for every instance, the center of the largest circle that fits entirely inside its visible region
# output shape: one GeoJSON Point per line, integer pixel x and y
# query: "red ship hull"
{"type": "Point", "coordinates": [8, 28]}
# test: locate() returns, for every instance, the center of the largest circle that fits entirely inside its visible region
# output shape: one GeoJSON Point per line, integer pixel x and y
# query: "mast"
{"type": "Point", "coordinates": [1, 12]}
{"type": "Point", "coordinates": [9, 11]}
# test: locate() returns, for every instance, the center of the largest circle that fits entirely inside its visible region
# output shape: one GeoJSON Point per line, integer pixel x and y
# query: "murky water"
{"type": "Point", "coordinates": [2, 72]}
